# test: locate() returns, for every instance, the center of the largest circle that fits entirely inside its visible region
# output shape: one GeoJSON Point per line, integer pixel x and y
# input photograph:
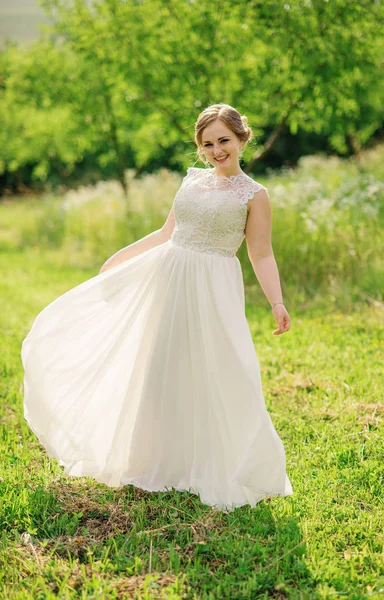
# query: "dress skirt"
{"type": "Point", "coordinates": [147, 374]}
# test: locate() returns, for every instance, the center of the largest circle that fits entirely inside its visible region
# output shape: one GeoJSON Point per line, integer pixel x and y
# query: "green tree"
{"type": "Point", "coordinates": [122, 82]}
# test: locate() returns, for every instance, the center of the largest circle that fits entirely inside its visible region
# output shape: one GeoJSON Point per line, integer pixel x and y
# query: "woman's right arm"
{"type": "Point", "coordinates": [160, 236]}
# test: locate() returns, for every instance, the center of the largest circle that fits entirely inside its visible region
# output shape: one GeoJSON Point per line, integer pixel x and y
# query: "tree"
{"type": "Point", "coordinates": [123, 81]}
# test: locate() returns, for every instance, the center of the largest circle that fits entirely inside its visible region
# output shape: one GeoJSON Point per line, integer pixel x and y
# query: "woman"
{"type": "Point", "coordinates": [146, 374]}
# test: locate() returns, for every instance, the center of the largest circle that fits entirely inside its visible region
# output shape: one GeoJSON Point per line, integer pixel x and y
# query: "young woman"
{"type": "Point", "coordinates": [146, 374]}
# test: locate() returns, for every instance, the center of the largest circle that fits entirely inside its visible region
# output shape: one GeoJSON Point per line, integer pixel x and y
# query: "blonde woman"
{"type": "Point", "coordinates": [146, 374]}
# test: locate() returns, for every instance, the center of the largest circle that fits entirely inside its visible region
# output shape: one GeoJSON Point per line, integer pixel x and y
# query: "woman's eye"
{"type": "Point", "coordinates": [209, 144]}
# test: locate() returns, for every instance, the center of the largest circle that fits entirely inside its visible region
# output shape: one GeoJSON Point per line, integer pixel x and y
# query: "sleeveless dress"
{"type": "Point", "coordinates": [146, 374]}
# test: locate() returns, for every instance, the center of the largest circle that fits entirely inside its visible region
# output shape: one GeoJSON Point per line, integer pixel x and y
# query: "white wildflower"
{"type": "Point", "coordinates": [25, 538]}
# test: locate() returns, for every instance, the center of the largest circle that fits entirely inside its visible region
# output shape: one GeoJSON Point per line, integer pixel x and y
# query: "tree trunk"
{"type": "Point", "coordinates": [267, 146]}
{"type": "Point", "coordinates": [353, 144]}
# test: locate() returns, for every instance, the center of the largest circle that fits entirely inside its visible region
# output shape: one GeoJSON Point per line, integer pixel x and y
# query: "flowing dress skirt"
{"type": "Point", "coordinates": [146, 374]}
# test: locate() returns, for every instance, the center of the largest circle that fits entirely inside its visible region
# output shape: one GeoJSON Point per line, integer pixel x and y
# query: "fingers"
{"type": "Point", "coordinates": [283, 322]}
{"type": "Point", "coordinates": [283, 327]}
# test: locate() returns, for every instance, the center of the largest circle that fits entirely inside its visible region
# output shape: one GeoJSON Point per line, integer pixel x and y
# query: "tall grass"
{"type": "Point", "coordinates": [327, 226]}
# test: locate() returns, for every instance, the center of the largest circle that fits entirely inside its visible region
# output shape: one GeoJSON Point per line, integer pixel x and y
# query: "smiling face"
{"type": "Point", "coordinates": [221, 148]}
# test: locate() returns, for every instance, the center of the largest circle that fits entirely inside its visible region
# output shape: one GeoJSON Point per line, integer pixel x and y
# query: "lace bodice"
{"type": "Point", "coordinates": [211, 211]}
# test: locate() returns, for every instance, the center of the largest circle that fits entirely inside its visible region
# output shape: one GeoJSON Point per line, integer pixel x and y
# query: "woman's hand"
{"type": "Point", "coordinates": [282, 319]}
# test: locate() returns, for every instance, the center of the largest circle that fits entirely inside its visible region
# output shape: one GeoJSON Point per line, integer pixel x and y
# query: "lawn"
{"type": "Point", "coordinates": [63, 537]}
{"type": "Point", "coordinates": [74, 538]}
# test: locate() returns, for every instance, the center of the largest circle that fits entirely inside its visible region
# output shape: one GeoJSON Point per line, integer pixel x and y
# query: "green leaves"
{"type": "Point", "coordinates": [129, 74]}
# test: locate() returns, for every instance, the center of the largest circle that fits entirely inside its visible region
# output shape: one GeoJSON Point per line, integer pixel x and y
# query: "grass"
{"type": "Point", "coordinates": [323, 383]}
{"type": "Point", "coordinates": [327, 227]}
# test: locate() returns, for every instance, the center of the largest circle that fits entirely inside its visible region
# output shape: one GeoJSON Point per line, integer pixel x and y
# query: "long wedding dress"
{"type": "Point", "coordinates": [146, 374]}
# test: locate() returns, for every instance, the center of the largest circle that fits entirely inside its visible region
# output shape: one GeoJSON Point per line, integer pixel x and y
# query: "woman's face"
{"type": "Point", "coordinates": [221, 147]}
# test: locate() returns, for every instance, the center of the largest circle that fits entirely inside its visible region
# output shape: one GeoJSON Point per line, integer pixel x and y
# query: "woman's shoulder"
{"type": "Point", "coordinates": [194, 173]}
{"type": "Point", "coordinates": [196, 170]}
{"type": "Point", "coordinates": [258, 186]}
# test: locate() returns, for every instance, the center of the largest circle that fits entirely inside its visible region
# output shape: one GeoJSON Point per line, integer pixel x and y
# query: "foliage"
{"type": "Point", "coordinates": [119, 84]}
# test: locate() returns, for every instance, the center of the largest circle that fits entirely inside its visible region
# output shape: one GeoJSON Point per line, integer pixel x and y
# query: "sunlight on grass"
{"type": "Point", "coordinates": [75, 538]}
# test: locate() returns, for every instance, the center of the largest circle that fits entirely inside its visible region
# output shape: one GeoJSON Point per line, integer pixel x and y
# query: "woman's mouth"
{"type": "Point", "coordinates": [222, 158]}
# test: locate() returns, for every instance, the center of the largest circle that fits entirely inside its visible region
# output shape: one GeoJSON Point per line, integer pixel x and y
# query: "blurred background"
{"type": "Point", "coordinates": [98, 101]}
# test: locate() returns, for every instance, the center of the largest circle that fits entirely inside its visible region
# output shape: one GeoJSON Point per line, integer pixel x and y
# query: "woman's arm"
{"type": "Point", "coordinates": [258, 233]}
{"type": "Point", "coordinates": [160, 236]}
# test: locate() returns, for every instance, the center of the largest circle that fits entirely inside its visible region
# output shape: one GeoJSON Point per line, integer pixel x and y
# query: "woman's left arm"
{"type": "Point", "coordinates": [258, 234]}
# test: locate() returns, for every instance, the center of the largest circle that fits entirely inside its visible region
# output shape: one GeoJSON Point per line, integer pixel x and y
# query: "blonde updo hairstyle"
{"type": "Point", "coordinates": [230, 117]}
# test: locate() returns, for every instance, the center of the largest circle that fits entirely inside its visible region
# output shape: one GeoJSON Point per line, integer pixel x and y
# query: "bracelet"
{"type": "Point", "coordinates": [278, 303]}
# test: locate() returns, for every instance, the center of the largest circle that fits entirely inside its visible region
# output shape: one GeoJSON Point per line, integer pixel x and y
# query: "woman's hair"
{"type": "Point", "coordinates": [229, 116]}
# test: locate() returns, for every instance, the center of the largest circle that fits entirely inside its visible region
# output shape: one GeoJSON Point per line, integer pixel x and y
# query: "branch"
{"type": "Point", "coordinates": [267, 146]}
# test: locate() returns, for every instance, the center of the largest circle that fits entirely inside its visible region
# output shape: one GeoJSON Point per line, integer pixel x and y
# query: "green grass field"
{"type": "Point", "coordinates": [323, 385]}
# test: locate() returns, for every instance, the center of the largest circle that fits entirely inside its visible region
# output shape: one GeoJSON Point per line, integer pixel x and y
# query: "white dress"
{"type": "Point", "coordinates": [147, 374]}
